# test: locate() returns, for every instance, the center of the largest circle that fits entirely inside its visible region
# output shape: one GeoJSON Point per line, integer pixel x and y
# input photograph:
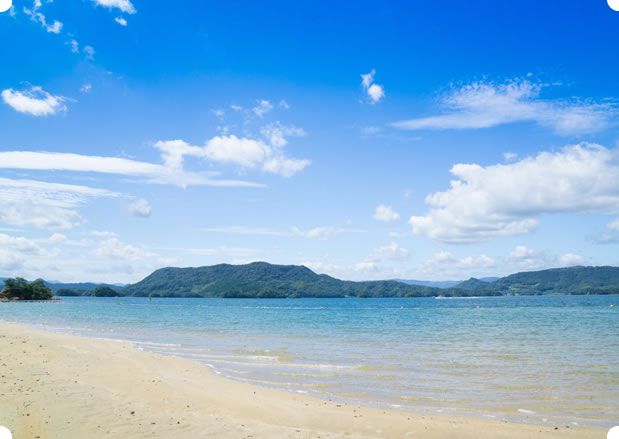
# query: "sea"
{"type": "Point", "coordinates": [532, 359]}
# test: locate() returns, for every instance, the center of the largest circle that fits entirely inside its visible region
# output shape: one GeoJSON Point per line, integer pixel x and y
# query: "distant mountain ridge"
{"type": "Point", "coordinates": [442, 283]}
{"type": "Point", "coordinates": [261, 279]}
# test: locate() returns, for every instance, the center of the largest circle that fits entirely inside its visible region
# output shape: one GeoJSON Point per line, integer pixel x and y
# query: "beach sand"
{"type": "Point", "coordinates": [60, 386]}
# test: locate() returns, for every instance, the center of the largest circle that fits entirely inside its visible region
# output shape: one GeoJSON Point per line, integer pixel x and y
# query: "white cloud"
{"type": "Point", "coordinates": [508, 199]}
{"type": "Point", "coordinates": [285, 167]}
{"type": "Point", "coordinates": [34, 101]}
{"type": "Point", "coordinates": [392, 251]}
{"type": "Point", "coordinates": [75, 46]}
{"type": "Point", "coordinates": [322, 232]}
{"type": "Point", "coordinates": [526, 258]}
{"type": "Point", "coordinates": [614, 225]}
{"type": "Point", "coordinates": [446, 262]}
{"type": "Point", "coordinates": [44, 205]}
{"type": "Point", "coordinates": [243, 230]}
{"type": "Point", "coordinates": [312, 233]}
{"type": "Point", "coordinates": [375, 92]}
{"type": "Point", "coordinates": [57, 238]}
{"type": "Point", "coordinates": [276, 134]}
{"type": "Point", "coordinates": [15, 252]}
{"type": "Point", "coordinates": [114, 248]}
{"type": "Point", "coordinates": [89, 51]}
{"type": "Point", "coordinates": [61, 257]}
{"type": "Point", "coordinates": [240, 151]}
{"type": "Point", "coordinates": [86, 88]}
{"type": "Point", "coordinates": [386, 214]}
{"type": "Point", "coordinates": [509, 156]}
{"type": "Point", "coordinates": [263, 107]}
{"type": "Point", "coordinates": [123, 5]}
{"type": "Point", "coordinates": [231, 149]}
{"type": "Point", "coordinates": [140, 208]}
{"type": "Point", "coordinates": [367, 267]}
{"type": "Point", "coordinates": [121, 21]}
{"type": "Point", "coordinates": [169, 173]}
{"type": "Point", "coordinates": [571, 259]}
{"type": "Point", "coordinates": [55, 27]}
{"type": "Point", "coordinates": [484, 105]}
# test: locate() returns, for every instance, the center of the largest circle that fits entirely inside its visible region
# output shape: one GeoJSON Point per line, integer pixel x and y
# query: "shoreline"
{"type": "Point", "coordinates": [55, 385]}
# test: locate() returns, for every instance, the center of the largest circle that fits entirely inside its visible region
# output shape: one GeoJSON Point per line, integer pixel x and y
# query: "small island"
{"type": "Point", "coordinates": [20, 289]}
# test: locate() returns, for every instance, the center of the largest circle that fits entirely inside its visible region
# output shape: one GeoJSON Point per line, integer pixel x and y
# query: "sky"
{"type": "Point", "coordinates": [414, 140]}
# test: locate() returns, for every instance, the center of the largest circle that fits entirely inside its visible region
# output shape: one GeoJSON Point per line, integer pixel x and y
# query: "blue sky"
{"type": "Point", "coordinates": [364, 140]}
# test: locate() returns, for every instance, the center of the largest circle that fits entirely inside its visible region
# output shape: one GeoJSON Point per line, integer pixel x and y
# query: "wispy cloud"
{"type": "Point", "coordinates": [55, 27]}
{"type": "Point", "coordinates": [122, 5]}
{"type": "Point", "coordinates": [44, 205]}
{"type": "Point", "coordinates": [486, 104]}
{"type": "Point", "coordinates": [34, 101]}
{"type": "Point", "coordinates": [323, 232]}
{"type": "Point", "coordinates": [154, 173]}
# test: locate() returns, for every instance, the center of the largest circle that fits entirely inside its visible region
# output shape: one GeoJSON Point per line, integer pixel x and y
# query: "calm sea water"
{"type": "Point", "coordinates": [532, 359]}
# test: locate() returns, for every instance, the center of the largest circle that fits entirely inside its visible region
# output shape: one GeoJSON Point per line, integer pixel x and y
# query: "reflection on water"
{"type": "Point", "coordinates": [553, 358]}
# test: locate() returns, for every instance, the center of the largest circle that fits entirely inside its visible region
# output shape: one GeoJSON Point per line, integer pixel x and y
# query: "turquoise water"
{"type": "Point", "coordinates": [531, 359]}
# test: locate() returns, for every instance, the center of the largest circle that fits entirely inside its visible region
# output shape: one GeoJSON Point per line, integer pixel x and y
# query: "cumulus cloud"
{"type": "Point", "coordinates": [140, 208]}
{"type": "Point", "coordinates": [571, 259]}
{"type": "Point", "coordinates": [375, 92]}
{"type": "Point", "coordinates": [122, 5]}
{"type": "Point", "coordinates": [121, 21]}
{"type": "Point", "coordinates": [526, 258]}
{"type": "Point", "coordinates": [485, 105]}
{"type": "Point", "coordinates": [509, 199]}
{"type": "Point", "coordinates": [446, 262]}
{"type": "Point", "coordinates": [15, 251]}
{"type": "Point", "coordinates": [44, 205]}
{"type": "Point", "coordinates": [386, 214]}
{"type": "Point", "coordinates": [240, 151]}
{"type": "Point", "coordinates": [392, 251]}
{"type": "Point", "coordinates": [34, 101]}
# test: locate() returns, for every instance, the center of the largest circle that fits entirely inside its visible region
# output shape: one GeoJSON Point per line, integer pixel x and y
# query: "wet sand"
{"type": "Point", "coordinates": [61, 386]}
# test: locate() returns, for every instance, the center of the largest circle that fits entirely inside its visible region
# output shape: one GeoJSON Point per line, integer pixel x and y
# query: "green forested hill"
{"type": "Point", "coordinates": [571, 280]}
{"type": "Point", "coordinates": [260, 279]}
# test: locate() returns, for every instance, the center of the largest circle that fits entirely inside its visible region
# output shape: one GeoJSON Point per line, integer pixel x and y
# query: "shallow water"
{"type": "Point", "coordinates": [533, 359]}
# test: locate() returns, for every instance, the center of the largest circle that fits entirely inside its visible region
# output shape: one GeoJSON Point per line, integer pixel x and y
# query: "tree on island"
{"type": "Point", "coordinates": [103, 291]}
{"type": "Point", "coordinates": [20, 289]}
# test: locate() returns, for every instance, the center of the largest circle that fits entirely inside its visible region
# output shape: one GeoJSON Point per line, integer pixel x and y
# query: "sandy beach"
{"type": "Point", "coordinates": [60, 386]}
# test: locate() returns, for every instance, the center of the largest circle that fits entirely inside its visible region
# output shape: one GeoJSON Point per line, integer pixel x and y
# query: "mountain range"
{"type": "Point", "coordinates": [261, 279]}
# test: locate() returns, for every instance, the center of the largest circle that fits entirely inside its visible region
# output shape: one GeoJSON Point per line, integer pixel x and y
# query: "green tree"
{"type": "Point", "coordinates": [103, 291]}
{"type": "Point", "coordinates": [20, 288]}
